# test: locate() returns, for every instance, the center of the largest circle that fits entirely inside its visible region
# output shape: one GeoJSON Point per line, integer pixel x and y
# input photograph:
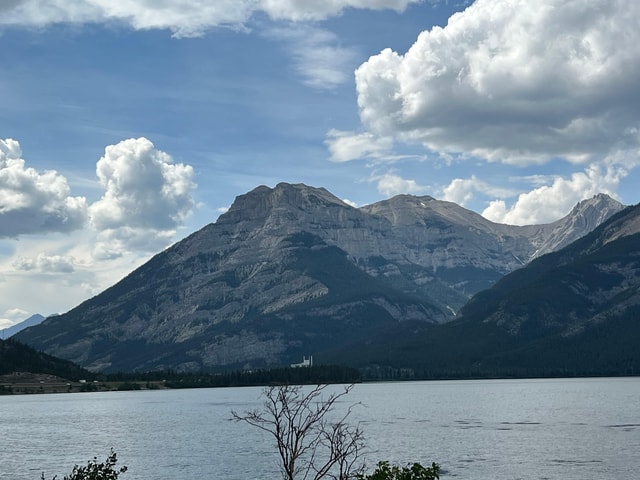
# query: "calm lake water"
{"type": "Point", "coordinates": [576, 429]}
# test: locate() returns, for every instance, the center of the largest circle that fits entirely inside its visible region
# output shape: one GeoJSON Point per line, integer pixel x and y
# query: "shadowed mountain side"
{"type": "Point", "coordinates": [16, 357]}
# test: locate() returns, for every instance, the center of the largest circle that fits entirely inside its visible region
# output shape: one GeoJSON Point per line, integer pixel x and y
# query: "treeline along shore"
{"type": "Point", "coordinates": [32, 383]}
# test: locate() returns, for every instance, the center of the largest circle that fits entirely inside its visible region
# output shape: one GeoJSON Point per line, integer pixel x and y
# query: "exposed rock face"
{"type": "Point", "coordinates": [584, 218]}
{"type": "Point", "coordinates": [291, 270]}
{"type": "Point", "coordinates": [443, 243]}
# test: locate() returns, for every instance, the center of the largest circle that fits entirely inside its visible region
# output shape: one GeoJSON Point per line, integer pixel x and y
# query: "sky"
{"type": "Point", "coordinates": [125, 126]}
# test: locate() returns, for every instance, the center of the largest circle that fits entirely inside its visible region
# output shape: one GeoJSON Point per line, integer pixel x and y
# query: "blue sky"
{"type": "Point", "coordinates": [125, 126]}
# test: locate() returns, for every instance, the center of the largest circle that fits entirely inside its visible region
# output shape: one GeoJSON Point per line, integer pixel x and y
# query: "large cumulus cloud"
{"type": "Point", "coordinates": [513, 81]}
{"type": "Point", "coordinates": [146, 198]}
{"type": "Point", "coordinates": [185, 18]}
{"type": "Point", "coordinates": [33, 202]}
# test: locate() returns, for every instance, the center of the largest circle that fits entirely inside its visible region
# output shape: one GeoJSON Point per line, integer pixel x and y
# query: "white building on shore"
{"type": "Point", "coordinates": [306, 362]}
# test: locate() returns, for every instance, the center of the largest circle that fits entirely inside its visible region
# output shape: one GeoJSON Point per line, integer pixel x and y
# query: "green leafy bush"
{"type": "Point", "coordinates": [96, 471]}
{"type": "Point", "coordinates": [384, 471]}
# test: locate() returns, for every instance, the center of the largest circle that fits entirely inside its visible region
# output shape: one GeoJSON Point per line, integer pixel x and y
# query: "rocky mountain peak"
{"type": "Point", "coordinates": [595, 210]}
{"type": "Point", "coordinates": [263, 201]}
{"type": "Point", "coordinates": [406, 210]}
{"type": "Point", "coordinates": [583, 218]}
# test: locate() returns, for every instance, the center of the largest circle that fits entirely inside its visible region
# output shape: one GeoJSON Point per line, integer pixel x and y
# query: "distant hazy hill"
{"type": "Point", "coordinates": [29, 322]}
{"type": "Point", "coordinates": [293, 270]}
{"type": "Point", "coordinates": [575, 311]}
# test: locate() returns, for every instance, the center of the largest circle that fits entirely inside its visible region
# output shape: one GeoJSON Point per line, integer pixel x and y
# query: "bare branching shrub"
{"type": "Point", "coordinates": [313, 441]}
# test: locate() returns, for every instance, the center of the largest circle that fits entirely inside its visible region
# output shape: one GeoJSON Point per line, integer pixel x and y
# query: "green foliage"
{"type": "Point", "coordinates": [89, 387]}
{"type": "Point", "coordinates": [384, 471]}
{"type": "Point", "coordinates": [128, 386]}
{"type": "Point", "coordinates": [106, 470]}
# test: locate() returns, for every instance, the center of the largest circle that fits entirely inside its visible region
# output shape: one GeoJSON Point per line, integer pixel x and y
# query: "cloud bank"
{"type": "Point", "coordinates": [513, 81]}
{"type": "Point", "coordinates": [46, 263]}
{"type": "Point", "coordinates": [187, 18]}
{"type": "Point", "coordinates": [32, 202]}
{"type": "Point", "coordinates": [146, 198]}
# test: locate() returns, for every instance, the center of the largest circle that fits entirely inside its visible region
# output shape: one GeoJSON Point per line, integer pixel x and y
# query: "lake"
{"type": "Point", "coordinates": [565, 429]}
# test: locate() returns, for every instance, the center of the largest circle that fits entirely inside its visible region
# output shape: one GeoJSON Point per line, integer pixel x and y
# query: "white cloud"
{"type": "Point", "coordinates": [350, 203]}
{"type": "Point", "coordinates": [32, 202]}
{"type": "Point", "coordinates": [62, 270]}
{"type": "Point", "coordinates": [463, 190]}
{"type": "Point", "coordinates": [550, 202]}
{"type": "Point", "coordinates": [391, 184]}
{"type": "Point", "coordinates": [537, 180]}
{"type": "Point", "coordinates": [113, 243]}
{"type": "Point", "coordinates": [460, 191]}
{"type": "Point", "coordinates": [46, 263]}
{"type": "Point", "coordinates": [9, 150]}
{"type": "Point", "coordinates": [186, 18]}
{"type": "Point", "coordinates": [347, 146]}
{"type": "Point", "coordinates": [317, 55]}
{"type": "Point", "coordinates": [12, 316]}
{"type": "Point", "coordinates": [512, 80]}
{"type": "Point", "coordinates": [320, 9]}
{"type": "Point", "coordinates": [17, 313]}
{"type": "Point", "coordinates": [147, 197]}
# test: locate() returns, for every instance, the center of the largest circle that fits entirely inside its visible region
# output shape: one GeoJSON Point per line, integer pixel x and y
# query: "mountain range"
{"type": "Point", "coordinates": [293, 270]}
